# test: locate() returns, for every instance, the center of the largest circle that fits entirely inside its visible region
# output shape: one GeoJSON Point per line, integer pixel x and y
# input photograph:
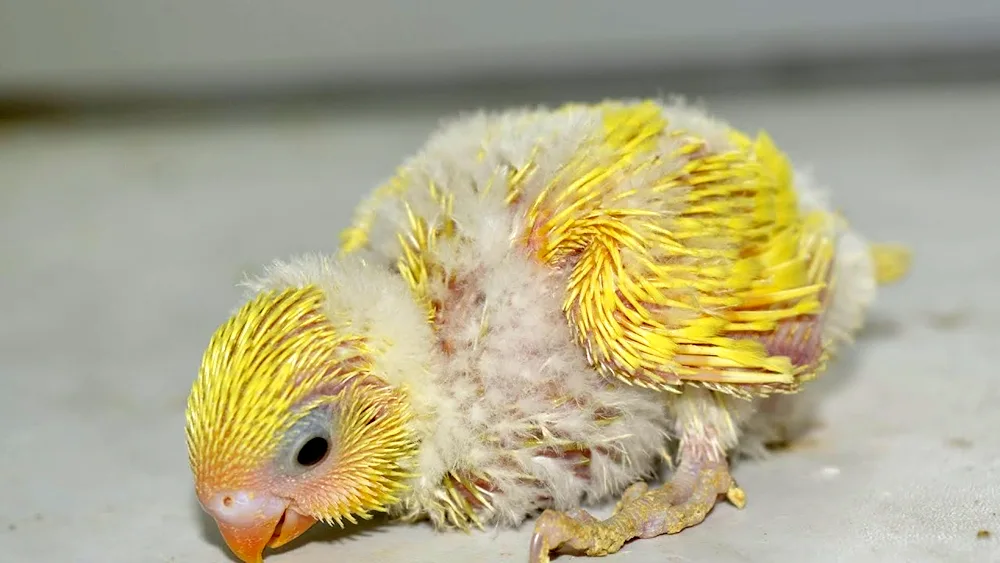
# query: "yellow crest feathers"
{"type": "Point", "coordinates": [266, 359]}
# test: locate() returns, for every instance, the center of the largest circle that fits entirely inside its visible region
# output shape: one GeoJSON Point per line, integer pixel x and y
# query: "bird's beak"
{"type": "Point", "coordinates": [248, 542]}
{"type": "Point", "coordinates": [251, 520]}
{"type": "Point", "coordinates": [293, 525]}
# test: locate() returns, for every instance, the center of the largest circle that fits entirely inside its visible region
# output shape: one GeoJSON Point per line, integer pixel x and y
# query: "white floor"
{"type": "Point", "coordinates": [122, 242]}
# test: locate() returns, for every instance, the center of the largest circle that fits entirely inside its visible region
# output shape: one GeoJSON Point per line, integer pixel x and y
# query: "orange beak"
{"type": "Point", "coordinates": [248, 542]}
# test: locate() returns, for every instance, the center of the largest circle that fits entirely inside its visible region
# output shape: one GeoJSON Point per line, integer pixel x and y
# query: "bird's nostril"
{"type": "Point", "coordinates": [245, 508]}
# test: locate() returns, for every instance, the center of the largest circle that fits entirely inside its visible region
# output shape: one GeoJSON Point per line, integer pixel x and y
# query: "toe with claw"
{"type": "Point", "coordinates": [642, 512]}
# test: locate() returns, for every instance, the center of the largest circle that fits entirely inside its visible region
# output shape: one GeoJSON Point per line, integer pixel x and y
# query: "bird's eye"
{"type": "Point", "coordinates": [308, 443]}
{"type": "Point", "coordinates": [313, 451]}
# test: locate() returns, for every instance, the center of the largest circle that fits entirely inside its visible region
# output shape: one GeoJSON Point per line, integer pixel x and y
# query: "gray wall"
{"type": "Point", "coordinates": [101, 46]}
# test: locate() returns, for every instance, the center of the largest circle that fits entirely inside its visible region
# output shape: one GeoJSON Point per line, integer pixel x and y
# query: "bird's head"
{"type": "Point", "coordinates": [288, 422]}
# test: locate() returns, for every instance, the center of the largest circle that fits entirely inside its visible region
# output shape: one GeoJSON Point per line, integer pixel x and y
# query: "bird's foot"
{"type": "Point", "coordinates": [642, 512]}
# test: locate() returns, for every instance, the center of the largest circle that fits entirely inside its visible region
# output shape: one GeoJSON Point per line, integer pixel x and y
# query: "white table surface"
{"type": "Point", "coordinates": [122, 242]}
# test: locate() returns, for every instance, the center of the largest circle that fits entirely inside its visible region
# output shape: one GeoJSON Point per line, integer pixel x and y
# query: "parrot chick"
{"type": "Point", "coordinates": [534, 314]}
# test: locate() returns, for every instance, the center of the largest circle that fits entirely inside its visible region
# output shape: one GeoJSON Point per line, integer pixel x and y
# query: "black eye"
{"type": "Point", "coordinates": [313, 451]}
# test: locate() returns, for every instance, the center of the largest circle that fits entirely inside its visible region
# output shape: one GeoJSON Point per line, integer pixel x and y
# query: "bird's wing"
{"type": "Point", "coordinates": [688, 258]}
{"type": "Point", "coordinates": [686, 255]}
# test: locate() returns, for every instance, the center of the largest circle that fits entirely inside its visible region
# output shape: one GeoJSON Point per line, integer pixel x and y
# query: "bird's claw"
{"type": "Point", "coordinates": [641, 512]}
{"type": "Point", "coordinates": [736, 496]}
{"type": "Point", "coordinates": [577, 532]}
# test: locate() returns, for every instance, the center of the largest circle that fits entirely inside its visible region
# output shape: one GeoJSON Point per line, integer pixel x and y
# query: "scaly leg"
{"type": "Point", "coordinates": [642, 513]}
{"type": "Point", "coordinates": [684, 501]}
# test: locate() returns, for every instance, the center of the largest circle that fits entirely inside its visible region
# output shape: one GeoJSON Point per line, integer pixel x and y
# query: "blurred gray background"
{"type": "Point", "coordinates": [154, 152]}
{"type": "Point", "coordinates": [100, 49]}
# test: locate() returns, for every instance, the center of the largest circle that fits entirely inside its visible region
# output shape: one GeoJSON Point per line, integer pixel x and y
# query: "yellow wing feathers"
{"type": "Point", "coordinates": [684, 255]}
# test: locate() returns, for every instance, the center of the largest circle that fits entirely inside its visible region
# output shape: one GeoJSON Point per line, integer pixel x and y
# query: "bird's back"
{"type": "Point", "coordinates": [684, 244]}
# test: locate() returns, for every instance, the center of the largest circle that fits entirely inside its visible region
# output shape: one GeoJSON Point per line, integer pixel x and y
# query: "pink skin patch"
{"type": "Point", "coordinates": [800, 340]}
{"type": "Point", "coordinates": [242, 509]}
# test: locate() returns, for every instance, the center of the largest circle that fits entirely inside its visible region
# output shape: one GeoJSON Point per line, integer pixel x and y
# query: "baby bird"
{"type": "Point", "coordinates": [535, 313]}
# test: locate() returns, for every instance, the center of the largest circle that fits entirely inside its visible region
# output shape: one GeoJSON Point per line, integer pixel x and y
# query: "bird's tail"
{"type": "Point", "coordinates": [892, 262]}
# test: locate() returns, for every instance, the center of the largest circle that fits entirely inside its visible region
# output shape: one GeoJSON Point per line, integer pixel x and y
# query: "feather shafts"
{"type": "Point", "coordinates": [717, 255]}
{"type": "Point", "coordinates": [373, 441]}
{"type": "Point", "coordinates": [258, 365]}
